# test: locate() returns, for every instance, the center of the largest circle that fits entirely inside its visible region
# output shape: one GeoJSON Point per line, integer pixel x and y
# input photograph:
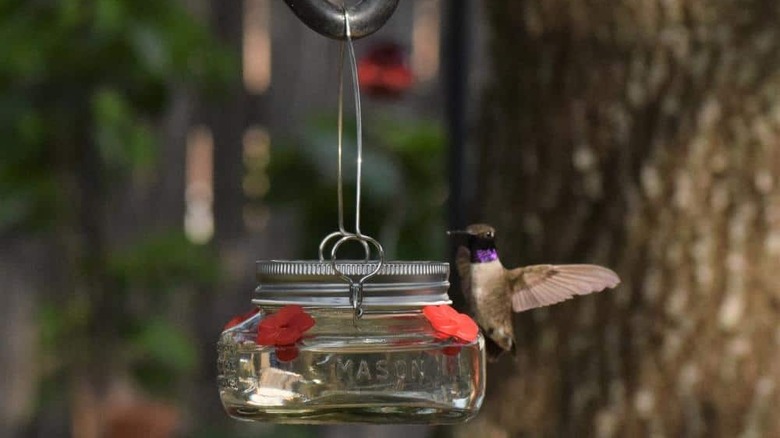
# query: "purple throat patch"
{"type": "Point", "coordinates": [485, 255]}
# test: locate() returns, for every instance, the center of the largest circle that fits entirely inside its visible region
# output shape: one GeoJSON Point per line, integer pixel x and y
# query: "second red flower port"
{"type": "Point", "coordinates": [448, 323]}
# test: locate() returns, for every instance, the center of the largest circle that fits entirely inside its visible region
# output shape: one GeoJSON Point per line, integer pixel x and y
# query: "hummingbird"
{"type": "Point", "coordinates": [494, 292]}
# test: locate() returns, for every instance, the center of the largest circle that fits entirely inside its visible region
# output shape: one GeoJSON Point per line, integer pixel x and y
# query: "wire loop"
{"type": "Point", "coordinates": [355, 289]}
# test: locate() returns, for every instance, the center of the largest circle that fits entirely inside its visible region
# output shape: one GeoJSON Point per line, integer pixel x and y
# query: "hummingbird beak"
{"type": "Point", "coordinates": [457, 232]}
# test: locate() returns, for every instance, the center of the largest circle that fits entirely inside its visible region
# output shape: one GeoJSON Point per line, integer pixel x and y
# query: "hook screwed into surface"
{"type": "Point", "coordinates": [328, 19]}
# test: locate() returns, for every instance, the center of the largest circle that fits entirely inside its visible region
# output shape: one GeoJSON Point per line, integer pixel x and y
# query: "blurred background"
{"type": "Point", "coordinates": [153, 149]}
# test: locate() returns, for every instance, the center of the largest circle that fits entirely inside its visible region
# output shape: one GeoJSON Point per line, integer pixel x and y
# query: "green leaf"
{"type": "Point", "coordinates": [125, 142]}
{"type": "Point", "coordinates": [165, 345]}
{"type": "Point", "coordinates": [161, 354]}
{"type": "Point", "coordinates": [162, 263]}
{"type": "Point", "coordinates": [110, 16]}
{"type": "Point", "coordinates": [14, 209]}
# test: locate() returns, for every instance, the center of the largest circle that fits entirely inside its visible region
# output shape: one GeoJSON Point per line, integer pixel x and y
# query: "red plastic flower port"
{"type": "Point", "coordinates": [451, 351]}
{"type": "Point", "coordinates": [384, 72]}
{"type": "Point", "coordinates": [283, 329]}
{"type": "Point", "coordinates": [238, 319]}
{"type": "Point", "coordinates": [448, 323]}
{"type": "Point", "coordinates": [286, 353]}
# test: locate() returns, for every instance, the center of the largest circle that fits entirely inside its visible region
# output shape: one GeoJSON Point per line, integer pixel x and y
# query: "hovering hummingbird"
{"type": "Point", "coordinates": [493, 291]}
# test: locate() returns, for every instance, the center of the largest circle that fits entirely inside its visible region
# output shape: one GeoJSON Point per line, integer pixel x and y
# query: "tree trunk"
{"type": "Point", "coordinates": [644, 136]}
{"type": "Point", "coordinates": [25, 270]}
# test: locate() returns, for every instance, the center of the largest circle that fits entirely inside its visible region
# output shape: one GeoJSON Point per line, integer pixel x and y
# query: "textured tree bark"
{"type": "Point", "coordinates": [644, 135]}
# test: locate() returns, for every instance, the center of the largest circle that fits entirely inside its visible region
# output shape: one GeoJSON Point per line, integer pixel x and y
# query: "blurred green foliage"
{"type": "Point", "coordinates": [403, 185]}
{"type": "Point", "coordinates": [84, 83]}
{"type": "Point", "coordinates": [145, 280]}
{"type": "Point", "coordinates": [74, 72]}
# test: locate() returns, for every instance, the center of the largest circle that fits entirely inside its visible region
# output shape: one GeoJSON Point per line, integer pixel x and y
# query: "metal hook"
{"type": "Point", "coordinates": [356, 289]}
{"type": "Point", "coordinates": [328, 19]}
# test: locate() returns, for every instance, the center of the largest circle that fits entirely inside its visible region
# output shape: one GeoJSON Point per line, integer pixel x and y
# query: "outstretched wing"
{"type": "Point", "coordinates": [543, 285]}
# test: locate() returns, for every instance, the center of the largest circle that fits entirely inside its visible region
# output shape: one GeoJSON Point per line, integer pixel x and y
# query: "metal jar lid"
{"type": "Point", "coordinates": [397, 284]}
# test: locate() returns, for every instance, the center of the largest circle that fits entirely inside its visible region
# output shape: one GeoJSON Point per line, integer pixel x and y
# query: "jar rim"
{"type": "Point", "coordinates": [397, 284]}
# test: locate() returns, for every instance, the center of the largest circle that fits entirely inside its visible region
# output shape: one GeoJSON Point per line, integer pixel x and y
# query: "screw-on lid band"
{"type": "Point", "coordinates": [398, 284]}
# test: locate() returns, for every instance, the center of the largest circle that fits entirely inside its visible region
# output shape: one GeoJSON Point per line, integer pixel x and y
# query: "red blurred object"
{"type": "Point", "coordinates": [451, 351]}
{"type": "Point", "coordinates": [283, 329]}
{"type": "Point", "coordinates": [287, 353]}
{"type": "Point", "coordinates": [448, 323]}
{"type": "Point", "coordinates": [384, 71]}
{"type": "Point", "coordinates": [236, 320]}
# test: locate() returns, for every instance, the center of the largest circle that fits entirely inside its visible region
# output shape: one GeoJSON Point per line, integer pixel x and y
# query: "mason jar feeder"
{"type": "Point", "coordinates": [303, 357]}
{"type": "Point", "coordinates": [333, 341]}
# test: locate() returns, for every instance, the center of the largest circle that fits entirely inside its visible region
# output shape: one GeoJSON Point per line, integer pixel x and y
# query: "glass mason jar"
{"type": "Point", "coordinates": [389, 366]}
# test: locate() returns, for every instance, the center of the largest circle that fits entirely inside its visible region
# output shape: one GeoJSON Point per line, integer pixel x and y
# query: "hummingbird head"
{"type": "Point", "coordinates": [481, 238]}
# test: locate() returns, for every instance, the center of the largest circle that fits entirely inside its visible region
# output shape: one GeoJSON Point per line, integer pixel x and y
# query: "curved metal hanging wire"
{"type": "Point", "coordinates": [356, 288]}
